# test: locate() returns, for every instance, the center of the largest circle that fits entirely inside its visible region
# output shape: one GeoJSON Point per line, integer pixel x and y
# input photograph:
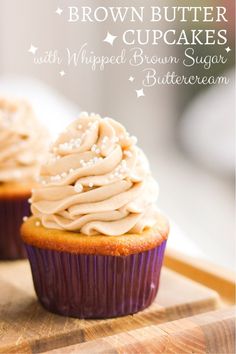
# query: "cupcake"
{"type": "Point", "coordinates": [21, 146]}
{"type": "Point", "coordinates": [96, 239]}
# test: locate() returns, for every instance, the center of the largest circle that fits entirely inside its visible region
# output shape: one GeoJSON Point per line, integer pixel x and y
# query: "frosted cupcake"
{"type": "Point", "coordinates": [22, 142]}
{"type": "Point", "coordinates": [96, 239]}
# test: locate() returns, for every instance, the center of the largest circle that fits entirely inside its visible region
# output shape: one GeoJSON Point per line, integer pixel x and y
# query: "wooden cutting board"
{"type": "Point", "coordinates": [211, 332]}
{"type": "Point", "coordinates": [25, 327]}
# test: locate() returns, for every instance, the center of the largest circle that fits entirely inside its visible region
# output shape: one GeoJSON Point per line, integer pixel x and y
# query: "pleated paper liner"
{"type": "Point", "coordinates": [95, 286]}
{"type": "Point", "coordinates": [11, 213]}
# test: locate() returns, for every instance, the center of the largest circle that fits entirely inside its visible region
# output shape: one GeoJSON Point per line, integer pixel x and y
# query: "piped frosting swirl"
{"type": "Point", "coordinates": [96, 181]}
{"type": "Point", "coordinates": [23, 141]}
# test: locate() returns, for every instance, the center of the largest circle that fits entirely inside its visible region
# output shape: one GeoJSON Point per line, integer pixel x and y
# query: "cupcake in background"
{"type": "Point", "coordinates": [96, 239]}
{"type": "Point", "coordinates": [23, 142]}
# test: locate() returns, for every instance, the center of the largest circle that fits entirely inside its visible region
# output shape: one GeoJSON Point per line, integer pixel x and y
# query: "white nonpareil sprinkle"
{"type": "Point", "coordinates": [90, 184]}
{"type": "Point", "coordinates": [134, 139]}
{"type": "Point", "coordinates": [25, 218]}
{"type": "Point", "coordinates": [30, 200]}
{"type": "Point", "coordinates": [64, 174]}
{"type": "Point", "coordinates": [82, 162]}
{"type": "Point", "coordinates": [69, 145]}
{"type": "Point", "coordinates": [105, 139]}
{"type": "Point", "coordinates": [55, 178]}
{"type": "Point", "coordinates": [78, 187]}
{"type": "Point", "coordinates": [120, 170]}
{"type": "Point", "coordinates": [91, 126]}
{"type": "Point", "coordinates": [37, 223]}
{"type": "Point", "coordinates": [91, 162]}
{"type": "Point", "coordinates": [128, 153]}
{"type": "Point", "coordinates": [64, 146]}
{"type": "Point", "coordinates": [95, 149]}
{"type": "Point", "coordinates": [115, 139]}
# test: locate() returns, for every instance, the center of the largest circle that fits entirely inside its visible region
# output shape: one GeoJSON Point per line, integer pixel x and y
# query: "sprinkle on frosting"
{"type": "Point", "coordinates": [23, 141]}
{"type": "Point", "coordinates": [78, 187]}
{"type": "Point", "coordinates": [96, 181]}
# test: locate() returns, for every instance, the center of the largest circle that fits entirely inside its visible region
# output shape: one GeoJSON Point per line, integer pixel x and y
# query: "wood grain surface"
{"type": "Point", "coordinates": [25, 327]}
{"type": "Point", "coordinates": [211, 332]}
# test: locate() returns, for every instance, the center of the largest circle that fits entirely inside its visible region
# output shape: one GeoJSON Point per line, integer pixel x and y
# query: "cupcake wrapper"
{"type": "Point", "coordinates": [95, 286]}
{"type": "Point", "coordinates": [11, 214]}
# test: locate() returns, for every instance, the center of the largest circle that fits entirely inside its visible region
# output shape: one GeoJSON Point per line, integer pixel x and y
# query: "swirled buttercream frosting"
{"type": "Point", "coordinates": [22, 141]}
{"type": "Point", "coordinates": [96, 181]}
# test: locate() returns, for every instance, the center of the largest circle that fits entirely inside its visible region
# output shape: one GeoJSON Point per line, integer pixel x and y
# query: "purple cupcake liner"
{"type": "Point", "coordinates": [11, 214]}
{"type": "Point", "coordinates": [95, 286]}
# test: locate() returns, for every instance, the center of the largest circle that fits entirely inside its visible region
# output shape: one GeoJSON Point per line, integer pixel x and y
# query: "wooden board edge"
{"type": "Point", "coordinates": [204, 272]}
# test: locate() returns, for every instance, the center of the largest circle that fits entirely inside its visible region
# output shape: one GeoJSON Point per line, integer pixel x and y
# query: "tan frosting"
{"type": "Point", "coordinates": [22, 141]}
{"type": "Point", "coordinates": [96, 181]}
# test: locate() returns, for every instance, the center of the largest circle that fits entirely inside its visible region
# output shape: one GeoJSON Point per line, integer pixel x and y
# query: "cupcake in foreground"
{"type": "Point", "coordinates": [96, 239]}
{"type": "Point", "coordinates": [22, 142]}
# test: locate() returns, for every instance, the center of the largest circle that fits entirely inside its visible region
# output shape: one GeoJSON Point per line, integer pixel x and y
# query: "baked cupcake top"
{"type": "Point", "coordinates": [96, 181]}
{"type": "Point", "coordinates": [22, 141]}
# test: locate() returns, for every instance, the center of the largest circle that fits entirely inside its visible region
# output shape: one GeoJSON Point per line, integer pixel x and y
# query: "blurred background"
{"type": "Point", "coordinates": [186, 131]}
